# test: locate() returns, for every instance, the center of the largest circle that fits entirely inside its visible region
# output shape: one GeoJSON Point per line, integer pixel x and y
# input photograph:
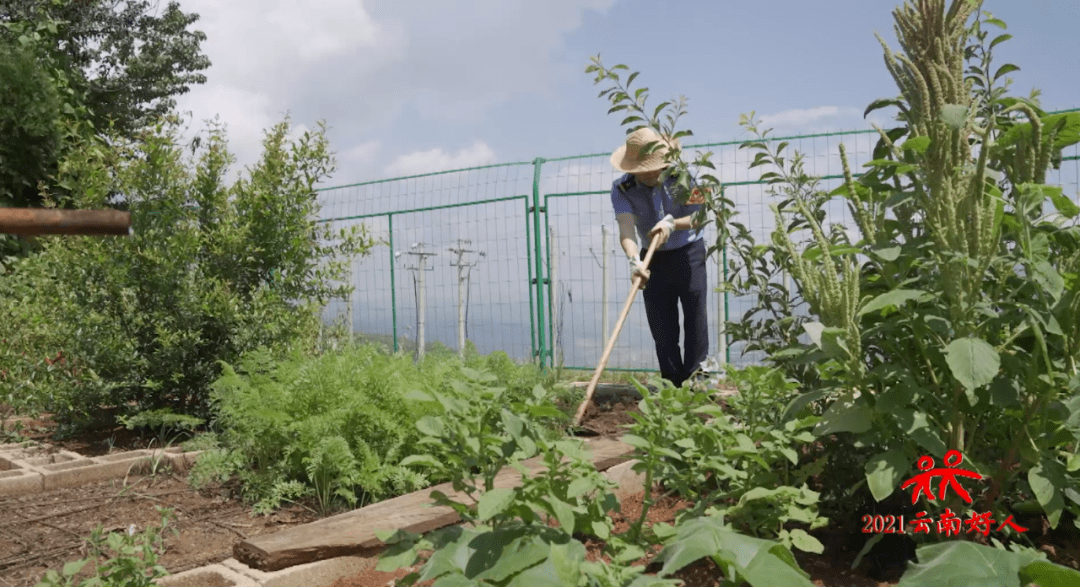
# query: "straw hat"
{"type": "Point", "coordinates": [628, 158]}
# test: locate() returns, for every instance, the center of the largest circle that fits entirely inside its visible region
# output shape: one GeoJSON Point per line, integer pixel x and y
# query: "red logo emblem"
{"type": "Point", "coordinates": [948, 476]}
{"type": "Point", "coordinates": [697, 196]}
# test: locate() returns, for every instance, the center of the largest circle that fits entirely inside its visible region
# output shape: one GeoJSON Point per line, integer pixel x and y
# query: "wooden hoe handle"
{"type": "Point", "coordinates": [635, 286]}
{"type": "Point", "coordinates": [37, 221]}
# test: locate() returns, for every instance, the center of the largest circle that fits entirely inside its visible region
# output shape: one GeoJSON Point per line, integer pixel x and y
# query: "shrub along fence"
{"type": "Point", "coordinates": [524, 257]}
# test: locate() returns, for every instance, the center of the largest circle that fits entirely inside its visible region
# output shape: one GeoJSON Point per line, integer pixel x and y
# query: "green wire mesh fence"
{"type": "Point", "coordinates": [524, 257]}
{"type": "Point", "coordinates": [418, 219]}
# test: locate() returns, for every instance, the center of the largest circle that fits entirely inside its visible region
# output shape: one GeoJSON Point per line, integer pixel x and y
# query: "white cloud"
{"type": "Point", "coordinates": [436, 159]}
{"type": "Point", "coordinates": [823, 119]}
{"type": "Point", "coordinates": [465, 57]}
{"type": "Point", "coordinates": [361, 64]}
{"type": "Point", "coordinates": [263, 43]}
{"type": "Point", "coordinates": [246, 115]}
{"type": "Point", "coordinates": [326, 28]}
{"type": "Point", "coordinates": [359, 155]}
{"type": "Point", "coordinates": [578, 175]}
{"type": "Point", "coordinates": [262, 54]}
{"type": "Point", "coordinates": [800, 116]}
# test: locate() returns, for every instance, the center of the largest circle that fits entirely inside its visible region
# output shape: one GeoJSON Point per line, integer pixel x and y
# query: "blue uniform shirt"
{"type": "Point", "coordinates": [649, 206]}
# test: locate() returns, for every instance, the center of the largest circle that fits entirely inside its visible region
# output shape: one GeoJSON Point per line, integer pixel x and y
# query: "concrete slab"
{"type": "Point", "coordinates": [629, 481]}
{"type": "Point", "coordinates": [6, 465]}
{"type": "Point", "coordinates": [122, 456]}
{"type": "Point", "coordinates": [209, 576]}
{"type": "Point", "coordinates": [610, 392]}
{"type": "Point", "coordinates": [20, 482]}
{"type": "Point", "coordinates": [182, 461]}
{"type": "Point", "coordinates": [316, 574]}
{"type": "Point", "coordinates": [27, 467]}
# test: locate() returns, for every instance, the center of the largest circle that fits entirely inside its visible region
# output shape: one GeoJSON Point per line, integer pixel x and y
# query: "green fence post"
{"type": "Point", "coordinates": [552, 287]}
{"type": "Point", "coordinates": [727, 340]}
{"type": "Point", "coordinates": [529, 269]}
{"type": "Point", "coordinates": [393, 282]}
{"type": "Point", "coordinates": [539, 279]}
{"type": "Point", "coordinates": [727, 308]}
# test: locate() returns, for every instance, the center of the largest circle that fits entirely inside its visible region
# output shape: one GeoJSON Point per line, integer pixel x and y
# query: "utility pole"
{"type": "Point", "coordinates": [464, 270]}
{"type": "Point", "coordinates": [417, 250]}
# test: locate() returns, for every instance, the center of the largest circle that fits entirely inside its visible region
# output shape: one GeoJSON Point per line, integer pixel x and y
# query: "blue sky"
{"type": "Point", "coordinates": [457, 83]}
{"type": "Point", "coordinates": [428, 85]}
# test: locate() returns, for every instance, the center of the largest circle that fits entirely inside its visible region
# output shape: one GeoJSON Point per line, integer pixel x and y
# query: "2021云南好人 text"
{"type": "Point", "coordinates": [948, 524]}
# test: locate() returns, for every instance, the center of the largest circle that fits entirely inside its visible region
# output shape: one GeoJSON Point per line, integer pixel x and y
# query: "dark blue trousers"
{"type": "Point", "coordinates": [678, 277]}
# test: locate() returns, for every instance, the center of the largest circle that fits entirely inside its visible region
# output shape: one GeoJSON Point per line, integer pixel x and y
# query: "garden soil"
{"type": "Point", "coordinates": [44, 530]}
{"type": "Point", "coordinates": [607, 418]}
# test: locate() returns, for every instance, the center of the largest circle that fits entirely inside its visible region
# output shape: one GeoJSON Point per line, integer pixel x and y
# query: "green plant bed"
{"type": "Point", "coordinates": [332, 429]}
{"type": "Point", "coordinates": [936, 336]}
{"type": "Point", "coordinates": [750, 508]}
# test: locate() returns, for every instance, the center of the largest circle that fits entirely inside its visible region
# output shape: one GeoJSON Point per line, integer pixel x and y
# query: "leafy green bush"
{"type": "Point", "coordinates": [333, 423]}
{"type": "Point", "coordinates": [766, 396]}
{"type": "Point", "coordinates": [949, 321]}
{"type": "Point", "coordinates": [508, 540]}
{"type": "Point", "coordinates": [336, 424]}
{"type": "Point", "coordinates": [519, 379]}
{"type": "Point", "coordinates": [478, 430]}
{"type": "Point", "coordinates": [335, 427]}
{"type": "Point", "coordinates": [162, 422]}
{"type": "Point", "coordinates": [949, 336]}
{"type": "Point", "coordinates": [211, 271]}
{"type": "Point", "coordinates": [733, 465]}
{"type": "Point", "coordinates": [531, 535]}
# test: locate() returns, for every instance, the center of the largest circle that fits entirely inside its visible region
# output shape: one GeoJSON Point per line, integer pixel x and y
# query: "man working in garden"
{"type": "Point", "coordinates": [677, 270]}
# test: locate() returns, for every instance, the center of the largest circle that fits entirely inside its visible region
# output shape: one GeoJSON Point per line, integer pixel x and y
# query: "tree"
{"type": "Point", "coordinates": [30, 123]}
{"type": "Point", "coordinates": [123, 59]}
{"type": "Point", "coordinates": [213, 270]}
{"type": "Point", "coordinates": [31, 131]}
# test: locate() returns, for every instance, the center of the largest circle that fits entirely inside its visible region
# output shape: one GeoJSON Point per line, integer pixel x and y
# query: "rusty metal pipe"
{"type": "Point", "coordinates": [38, 221]}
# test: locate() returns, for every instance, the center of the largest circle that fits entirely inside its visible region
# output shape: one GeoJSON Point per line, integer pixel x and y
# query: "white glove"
{"type": "Point", "coordinates": [664, 227]}
{"type": "Point", "coordinates": [638, 268]}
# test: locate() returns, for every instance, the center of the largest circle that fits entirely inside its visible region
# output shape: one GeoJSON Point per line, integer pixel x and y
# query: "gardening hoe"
{"type": "Point", "coordinates": [635, 286]}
